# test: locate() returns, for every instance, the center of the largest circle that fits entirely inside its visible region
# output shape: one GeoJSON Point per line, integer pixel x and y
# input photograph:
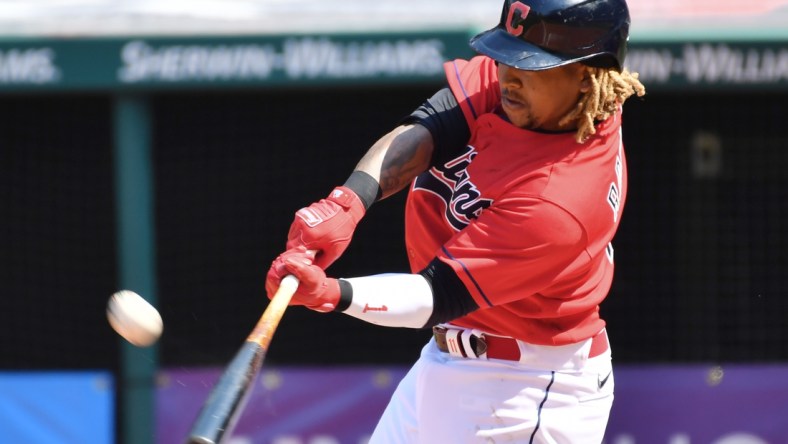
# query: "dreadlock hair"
{"type": "Point", "coordinates": [609, 89]}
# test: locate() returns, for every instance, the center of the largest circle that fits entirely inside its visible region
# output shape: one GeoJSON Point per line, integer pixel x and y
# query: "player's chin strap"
{"type": "Point", "coordinates": [465, 343]}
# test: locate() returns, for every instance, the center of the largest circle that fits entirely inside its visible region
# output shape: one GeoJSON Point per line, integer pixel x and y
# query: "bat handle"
{"type": "Point", "coordinates": [287, 288]}
{"type": "Point", "coordinates": [264, 330]}
{"type": "Point", "coordinates": [226, 401]}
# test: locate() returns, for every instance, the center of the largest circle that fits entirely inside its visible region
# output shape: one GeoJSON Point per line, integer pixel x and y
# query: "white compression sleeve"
{"type": "Point", "coordinates": [391, 300]}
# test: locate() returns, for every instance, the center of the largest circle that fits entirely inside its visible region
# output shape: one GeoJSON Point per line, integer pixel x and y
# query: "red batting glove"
{"type": "Point", "coordinates": [327, 226]}
{"type": "Point", "coordinates": [315, 290]}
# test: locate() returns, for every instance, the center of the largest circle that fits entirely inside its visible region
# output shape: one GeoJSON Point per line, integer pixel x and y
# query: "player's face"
{"type": "Point", "coordinates": [540, 99]}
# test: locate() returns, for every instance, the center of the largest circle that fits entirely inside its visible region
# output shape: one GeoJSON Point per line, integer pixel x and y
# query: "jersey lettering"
{"type": "Point", "coordinates": [614, 194]}
{"type": "Point", "coordinates": [453, 185]}
{"type": "Point", "coordinates": [609, 252]}
{"type": "Point", "coordinates": [614, 199]}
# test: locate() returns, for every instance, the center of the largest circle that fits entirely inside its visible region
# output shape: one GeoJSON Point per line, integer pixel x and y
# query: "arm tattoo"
{"type": "Point", "coordinates": [398, 157]}
{"type": "Point", "coordinates": [403, 162]}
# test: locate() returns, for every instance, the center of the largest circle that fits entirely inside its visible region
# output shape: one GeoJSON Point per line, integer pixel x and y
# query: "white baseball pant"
{"type": "Point", "coordinates": [553, 395]}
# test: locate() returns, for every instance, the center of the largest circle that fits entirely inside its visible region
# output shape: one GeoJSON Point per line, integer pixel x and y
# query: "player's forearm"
{"type": "Point", "coordinates": [398, 157]}
{"type": "Point", "coordinates": [390, 164]}
{"type": "Point", "coordinates": [430, 297]}
{"type": "Point", "coordinates": [390, 300]}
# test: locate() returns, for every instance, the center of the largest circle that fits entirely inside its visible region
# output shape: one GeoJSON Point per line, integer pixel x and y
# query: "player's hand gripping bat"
{"type": "Point", "coordinates": [228, 398]}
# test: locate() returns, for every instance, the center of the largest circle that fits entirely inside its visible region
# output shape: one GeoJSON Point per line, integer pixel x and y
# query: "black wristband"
{"type": "Point", "coordinates": [365, 186]}
{"type": "Point", "coordinates": [345, 295]}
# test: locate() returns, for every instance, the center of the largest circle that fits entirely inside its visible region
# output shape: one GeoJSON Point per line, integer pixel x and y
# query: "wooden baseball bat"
{"type": "Point", "coordinates": [227, 400]}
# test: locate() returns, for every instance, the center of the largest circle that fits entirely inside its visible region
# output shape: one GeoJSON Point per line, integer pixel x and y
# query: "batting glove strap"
{"type": "Point", "coordinates": [345, 198]}
{"type": "Point", "coordinates": [323, 299]}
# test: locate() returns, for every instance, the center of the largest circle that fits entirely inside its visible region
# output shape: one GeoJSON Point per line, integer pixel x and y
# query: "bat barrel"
{"type": "Point", "coordinates": [228, 397]}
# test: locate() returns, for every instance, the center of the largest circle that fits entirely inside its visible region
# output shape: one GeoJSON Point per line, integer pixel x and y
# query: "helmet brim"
{"type": "Point", "coordinates": [504, 48]}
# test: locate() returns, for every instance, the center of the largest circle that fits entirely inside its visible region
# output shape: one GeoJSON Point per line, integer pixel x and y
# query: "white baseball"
{"type": "Point", "coordinates": [134, 318]}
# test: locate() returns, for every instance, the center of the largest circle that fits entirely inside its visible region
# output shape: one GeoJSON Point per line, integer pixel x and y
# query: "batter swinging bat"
{"type": "Point", "coordinates": [225, 403]}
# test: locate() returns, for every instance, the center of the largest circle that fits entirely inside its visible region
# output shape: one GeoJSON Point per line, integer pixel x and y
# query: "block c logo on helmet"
{"type": "Point", "coordinates": [522, 10]}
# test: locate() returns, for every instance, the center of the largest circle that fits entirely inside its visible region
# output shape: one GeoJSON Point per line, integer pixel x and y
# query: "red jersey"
{"type": "Point", "coordinates": [524, 218]}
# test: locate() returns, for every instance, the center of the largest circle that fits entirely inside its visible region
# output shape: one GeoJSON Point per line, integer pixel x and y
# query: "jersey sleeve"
{"type": "Point", "coordinates": [474, 83]}
{"type": "Point", "coordinates": [514, 249]}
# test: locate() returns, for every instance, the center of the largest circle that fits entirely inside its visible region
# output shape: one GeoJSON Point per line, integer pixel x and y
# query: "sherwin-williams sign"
{"type": "Point", "coordinates": [225, 62]}
{"type": "Point", "coordinates": [265, 61]}
{"type": "Point", "coordinates": [294, 59]}
{"type": "Point", "coordinates": [711, 65]}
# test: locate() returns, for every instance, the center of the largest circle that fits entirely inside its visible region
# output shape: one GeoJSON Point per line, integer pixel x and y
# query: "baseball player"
{"type": "Point", "coordinates": [517, 181]}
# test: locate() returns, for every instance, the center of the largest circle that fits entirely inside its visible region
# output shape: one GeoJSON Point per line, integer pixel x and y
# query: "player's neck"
{"type": "Point", "coordinates": [571, 128]}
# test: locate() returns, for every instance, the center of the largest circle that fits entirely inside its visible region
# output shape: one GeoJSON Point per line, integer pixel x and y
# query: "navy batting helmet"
{"type": "Point", "coordinates": [542, 34]}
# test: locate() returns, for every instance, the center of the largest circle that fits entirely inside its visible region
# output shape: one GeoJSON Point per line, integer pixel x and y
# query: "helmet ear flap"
{"type": "Point", "coordinates": [602, 61]}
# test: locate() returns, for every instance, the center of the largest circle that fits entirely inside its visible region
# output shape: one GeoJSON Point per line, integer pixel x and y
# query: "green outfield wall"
{"type": "Point", "coordinates": [168, 63]}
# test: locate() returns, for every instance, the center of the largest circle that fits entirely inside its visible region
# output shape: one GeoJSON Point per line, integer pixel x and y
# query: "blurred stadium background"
{"type": "Point", "coordinates": [164, 146]}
